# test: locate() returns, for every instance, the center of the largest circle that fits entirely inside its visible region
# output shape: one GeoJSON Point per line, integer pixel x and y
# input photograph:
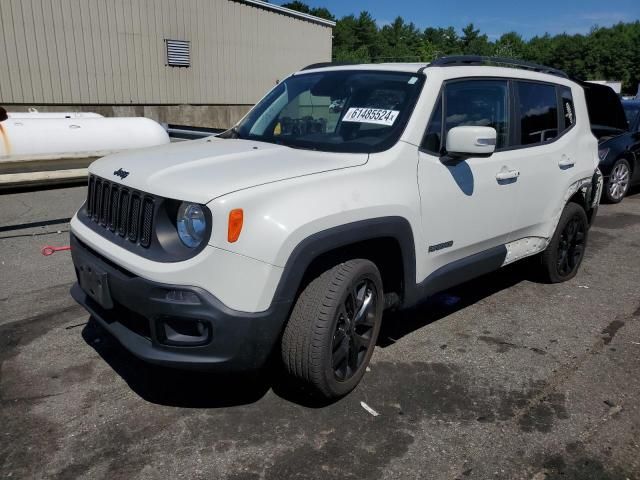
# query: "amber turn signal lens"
{"type": "Point", "coordinates": [236, 216]}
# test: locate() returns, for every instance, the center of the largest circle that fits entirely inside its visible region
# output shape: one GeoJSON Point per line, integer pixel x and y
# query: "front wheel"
{"type": "Point", "coordinates": [333, 328]}
{"type": "Point", "coordinates": [563, 256]}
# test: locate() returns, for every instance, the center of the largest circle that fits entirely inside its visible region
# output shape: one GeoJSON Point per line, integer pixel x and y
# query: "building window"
{"type": "Point", "coordinates": [178, 53]}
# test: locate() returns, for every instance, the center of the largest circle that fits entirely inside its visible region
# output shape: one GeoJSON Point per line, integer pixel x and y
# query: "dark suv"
{"type": "Point", "coordinates": [616, 124]}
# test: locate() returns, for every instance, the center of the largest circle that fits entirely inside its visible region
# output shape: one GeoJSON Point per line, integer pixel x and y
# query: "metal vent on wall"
{"type": "Point", "coordinates": [178, 53]}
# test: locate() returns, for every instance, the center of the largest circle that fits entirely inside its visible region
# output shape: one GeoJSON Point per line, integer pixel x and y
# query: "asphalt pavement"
{"type": "Point", "coordinates": [501, 378]}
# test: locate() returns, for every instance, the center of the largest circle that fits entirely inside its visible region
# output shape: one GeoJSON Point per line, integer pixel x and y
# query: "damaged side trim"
{"type": "Point", "coordinates": [528, 246]}
{"type": "Point", "coordinates": [524, 247]}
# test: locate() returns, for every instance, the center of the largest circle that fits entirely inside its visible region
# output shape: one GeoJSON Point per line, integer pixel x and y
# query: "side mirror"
{"type": "Point", "coordinates": [3, 114]}
{"type": "Point", "coordinates": [471, 141]}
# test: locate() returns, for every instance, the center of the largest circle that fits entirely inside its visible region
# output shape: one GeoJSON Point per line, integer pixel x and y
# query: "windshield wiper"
{"type": "Point", "coordinates": [233, 133]}
{"type": "Point", "coordinates": [297, 146]}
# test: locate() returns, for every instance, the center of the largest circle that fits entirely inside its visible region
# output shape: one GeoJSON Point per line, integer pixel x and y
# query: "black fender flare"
{"type": "Point", "coordinates": [309, 249]}
{"type": "Point", "coordinates": [595, 189]}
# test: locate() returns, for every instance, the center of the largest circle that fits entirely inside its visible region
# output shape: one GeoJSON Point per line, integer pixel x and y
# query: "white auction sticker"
{"type": "Point", "coordinates": [379, 116]}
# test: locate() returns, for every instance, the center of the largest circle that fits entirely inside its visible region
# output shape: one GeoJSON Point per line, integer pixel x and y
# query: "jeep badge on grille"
{"type": "Point", "coordinates": [121, 173]}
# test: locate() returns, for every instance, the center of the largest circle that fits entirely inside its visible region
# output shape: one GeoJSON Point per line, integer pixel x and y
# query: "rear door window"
{"type": "Point", "coordinates": [538, 112]}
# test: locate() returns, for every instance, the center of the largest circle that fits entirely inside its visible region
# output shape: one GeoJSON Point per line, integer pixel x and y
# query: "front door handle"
{"type": "Point", "coordinates": [506, 174]}
{"type": "Point", "coordinates": [566, 162]}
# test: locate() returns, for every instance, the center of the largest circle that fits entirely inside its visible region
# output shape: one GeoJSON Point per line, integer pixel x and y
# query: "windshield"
{"type": "Point", "coordinates": [631, 110]}
{"type": "Point", "coordinates": [339, 111]}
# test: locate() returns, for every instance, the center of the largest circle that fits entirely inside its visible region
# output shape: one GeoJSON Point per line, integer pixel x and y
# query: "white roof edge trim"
{"type": "Point", "coordinates": [288, 11]}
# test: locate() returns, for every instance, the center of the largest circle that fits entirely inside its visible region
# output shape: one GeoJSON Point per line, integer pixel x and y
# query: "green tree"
{"type": "Point", "coordinates": [442, 41]}
{"type": "Point", "coordinates": [509, 45]}
{"type": "Point", "coordinates": [539, 49]}
{"type": "Point", "coordinates": [304, 8]}
{"type": "Point", "coordinates": [323, 13]}
{"type": "Point", "coordinates": [298, 6]}
{"type": "Point", "coordinates": [473, 42]}
{"type": "Point", "coordinates": [400, 41]}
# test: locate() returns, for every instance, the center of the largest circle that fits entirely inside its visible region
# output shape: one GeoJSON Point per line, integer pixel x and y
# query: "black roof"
{"type": "Point", "coordinates": [469, 60]}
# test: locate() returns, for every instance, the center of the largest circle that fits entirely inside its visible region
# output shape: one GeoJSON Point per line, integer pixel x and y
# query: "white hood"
{"type": "Point", "coordinates": [201, 170]}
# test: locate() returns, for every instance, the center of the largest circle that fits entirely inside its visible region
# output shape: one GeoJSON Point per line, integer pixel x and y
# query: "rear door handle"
{"type": "Point", "coordinates": [505, 174]}
{"type": "Point", "coordinates": [566, 162]}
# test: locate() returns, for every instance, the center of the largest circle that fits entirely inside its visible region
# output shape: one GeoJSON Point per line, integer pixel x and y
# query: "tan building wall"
{"type": "Point", "coordinates": [112, 52]}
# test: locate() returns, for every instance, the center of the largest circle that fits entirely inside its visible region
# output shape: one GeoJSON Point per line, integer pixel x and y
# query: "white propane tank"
{"type": "Point", "coordinates": [35, 138]}
{"type": "Point", "coordinates": [33, 113]}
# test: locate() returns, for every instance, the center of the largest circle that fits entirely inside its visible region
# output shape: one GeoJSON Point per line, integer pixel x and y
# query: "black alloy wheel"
{"type": "Point", "coordinates": [354, 329]}
{"type": "Point", "coordinates": [571, 246]}
{"type": "Point", "coordinates": [333, 328]}
{"type": "Point", "coordinates": [564, 254]}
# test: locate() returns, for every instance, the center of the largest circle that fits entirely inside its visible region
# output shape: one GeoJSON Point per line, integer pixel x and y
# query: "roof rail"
{"type": "Point", "coordinates": [461, 60]}
{"type": "Point", "coordinates": [327, 64]}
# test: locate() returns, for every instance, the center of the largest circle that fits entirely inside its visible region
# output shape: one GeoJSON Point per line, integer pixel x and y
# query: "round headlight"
{"type": "Point", "coordinates": [192, 224]}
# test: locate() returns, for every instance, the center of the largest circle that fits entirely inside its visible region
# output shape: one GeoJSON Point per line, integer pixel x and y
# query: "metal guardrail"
{"type": "Point", "coordinates": [35, 172]}
{"type": "Point", "coordinates": [9, 181]}
{"type": "Point", "coordinates": [30, 165]}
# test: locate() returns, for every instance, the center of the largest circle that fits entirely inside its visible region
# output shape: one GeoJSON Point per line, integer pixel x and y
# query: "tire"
{"type": "Point", "coordinates": [617, 183]}
{"type": "Point", "coordinates": [320, 332]}
{"type": "Point", "coordinates": [563, 256]}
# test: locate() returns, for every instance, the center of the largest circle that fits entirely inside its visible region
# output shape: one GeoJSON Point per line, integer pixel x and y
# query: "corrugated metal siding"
{"type": "Point", "coordinates": [113, 51]}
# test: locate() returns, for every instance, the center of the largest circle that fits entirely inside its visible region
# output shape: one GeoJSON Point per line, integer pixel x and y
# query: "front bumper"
{"type": "Point", "coordinates": [144, 311]}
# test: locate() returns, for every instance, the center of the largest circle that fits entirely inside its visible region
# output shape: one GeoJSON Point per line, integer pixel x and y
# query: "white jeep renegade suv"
{"type": "Point", "coordinates": [346, 190]}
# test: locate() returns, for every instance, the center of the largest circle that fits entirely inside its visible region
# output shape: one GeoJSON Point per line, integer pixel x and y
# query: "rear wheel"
{"type": "Point", "coordinates": [617, 184]}
{"type": "Point", "coordinates": [563, 256]}
{"type": "Point", "coordinates": [332, 331]}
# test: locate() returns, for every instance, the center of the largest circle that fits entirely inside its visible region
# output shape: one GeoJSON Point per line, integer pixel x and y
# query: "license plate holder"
{"type": "Point", "coordinates": [95, 283]}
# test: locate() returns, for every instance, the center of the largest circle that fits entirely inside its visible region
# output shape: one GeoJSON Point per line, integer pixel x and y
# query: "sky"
{"type": "Point", "coordinates": [493, 17]}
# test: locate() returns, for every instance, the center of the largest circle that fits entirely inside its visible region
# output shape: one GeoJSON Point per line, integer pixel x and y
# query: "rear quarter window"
{"type": "Point", "coordinates": [568, 113]}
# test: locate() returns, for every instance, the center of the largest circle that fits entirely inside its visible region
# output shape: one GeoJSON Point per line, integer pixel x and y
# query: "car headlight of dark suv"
{"type": "Point", "coordinates": [602, 153]}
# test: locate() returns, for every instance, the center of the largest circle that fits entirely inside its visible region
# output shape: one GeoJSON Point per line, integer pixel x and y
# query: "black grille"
{"type": "Point", "coordinates": [104, 204]}
{"type": "Point", "coordinates": [97, 196]}
{"type": "Point", "coordinates": [147, 222]}
{"type": "Point", "coordinates": [124, 209]}
{"type": "Point", "coordinates": [113, 208]}
{"type": "Point", "coordinates": [134, 218]}
{"type": "Point", "coordinates": [121, 210]}
{"type": "Point", "coordinates": [90, 200]}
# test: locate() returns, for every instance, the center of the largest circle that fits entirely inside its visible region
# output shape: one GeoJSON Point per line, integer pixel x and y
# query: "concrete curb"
{"type": "Point", "coordinates": [31, 179]}
{"type": "Point", "coordinates": [44, 165]}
